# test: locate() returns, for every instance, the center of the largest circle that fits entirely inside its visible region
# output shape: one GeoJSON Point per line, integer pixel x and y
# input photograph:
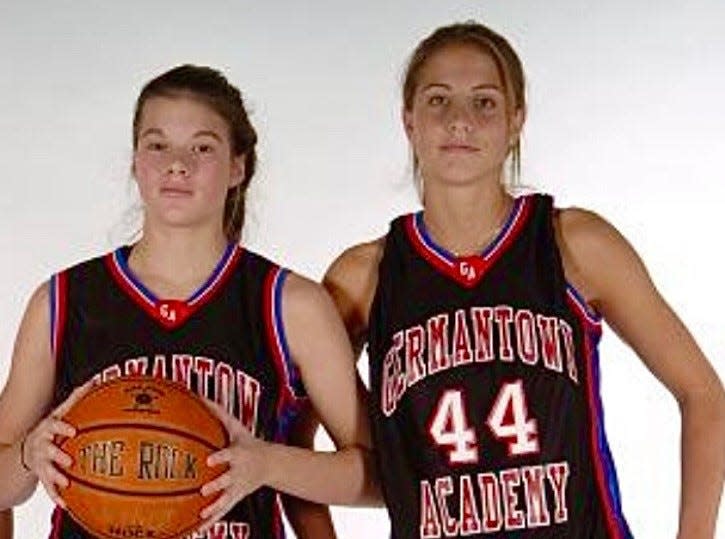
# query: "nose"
{"type": "Point", "coordinates": [459, 118]}
{"type": "Point", "coordinates": [179, 163]}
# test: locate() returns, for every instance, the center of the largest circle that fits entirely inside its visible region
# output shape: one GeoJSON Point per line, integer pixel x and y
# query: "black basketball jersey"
{"type": "Point", "coordinates": [484, 376]}
{"type": "Point", "coordinates": [226, 342]}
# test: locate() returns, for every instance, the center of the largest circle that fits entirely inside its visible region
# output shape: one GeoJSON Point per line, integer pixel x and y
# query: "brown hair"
{"type": "Point", "coordinates": [210, 87]}
{"type": "Point", "coordinates": [507, 61]}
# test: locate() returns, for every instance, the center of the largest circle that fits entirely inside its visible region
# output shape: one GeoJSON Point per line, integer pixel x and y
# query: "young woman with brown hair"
{"type": "Point", "coordinates": [482, 314]}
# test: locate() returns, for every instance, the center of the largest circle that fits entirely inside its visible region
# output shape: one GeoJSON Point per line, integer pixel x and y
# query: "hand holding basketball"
{"type": "Point", "coordinates": [247, 468]}
{"type": "Point", "coordinates": [41, 455]}
{"type": "Point", "coordinates": [138, 458]}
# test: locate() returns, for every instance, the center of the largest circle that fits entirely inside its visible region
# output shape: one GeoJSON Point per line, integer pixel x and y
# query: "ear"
{"type": "Point", "coordinates": [237, 171]}
{"type": "Point", "coordinates": [133, 166]}
{"type": "Point", "coordinates": [517, 124]}
{"type": "Point", "coordinates": [407, 116]}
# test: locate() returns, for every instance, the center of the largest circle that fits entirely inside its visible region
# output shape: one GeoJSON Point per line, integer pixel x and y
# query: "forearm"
{"type": "Point", "coordinates": [308, 520]}
{"type": "Point", "coordinates": [16, 483]}
{"type": "Point", "coordinates": [344, 477]}
{"type": "Point", "coordinates": [703, 465]}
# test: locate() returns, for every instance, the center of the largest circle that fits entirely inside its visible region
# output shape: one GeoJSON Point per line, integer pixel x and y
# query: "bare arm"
{"type": "Point", "coordinates": [308, 520]}
{"type": "Point", "coordinates": [320, 347]}
{"type": "Point", "coordinates": [26, 397]}
{"type": "Point", "coordinates": [602, 264]}
{"type": "Point", "coordinates": [351, 281]}
{"type": "Point", "coordinates": [356, 267]}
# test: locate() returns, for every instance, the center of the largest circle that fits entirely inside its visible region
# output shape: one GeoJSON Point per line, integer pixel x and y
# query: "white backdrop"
{"type": "Point", "coordinates": [626, 113]}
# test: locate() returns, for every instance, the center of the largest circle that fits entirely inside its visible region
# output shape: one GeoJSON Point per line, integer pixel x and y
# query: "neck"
{"type": "Point", "coordinates": [175, 260]}
{"type": "Point", "coordinates": [465, 219]}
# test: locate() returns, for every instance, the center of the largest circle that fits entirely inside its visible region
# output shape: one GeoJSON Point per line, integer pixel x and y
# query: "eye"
{"type": "Point", "coordinates": [155, 146]}
{"type": "Point", "coordinates": [436, 100]}
{"type": "Point", "coordinates": [203, 149]}
{"type": "Point", "coordinates": [484, 103]}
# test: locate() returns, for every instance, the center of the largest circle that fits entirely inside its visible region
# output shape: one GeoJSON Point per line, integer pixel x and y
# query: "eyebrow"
{"type": "Point", "coordinates": [151, 131]}
{"type": "Point", "coordinates": [202, 133]}
{"type": "Point", "coordinates": [448, 86]}
{"type": "Point", "coordinates": [207, 133]}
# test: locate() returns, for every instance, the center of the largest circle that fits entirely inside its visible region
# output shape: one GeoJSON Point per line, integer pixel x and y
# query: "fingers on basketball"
{"type": "Point", "coordinates": [230, 423]}
{"type": "Point", "coordinates": [214, 512]}
{"type": "Point", "coordinates": [51, 481]}
{"type": "Point", "coordinates": [58, 427]}
{"type": "Point", "coordinates": [74, 397]}
{"type": "Point", "coordinates": [220, 483]}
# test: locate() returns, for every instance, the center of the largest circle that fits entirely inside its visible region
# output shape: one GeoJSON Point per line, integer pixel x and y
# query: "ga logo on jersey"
{"type": "Point", "coordinates": [470, 268]}
{"type": "Point", "coordinates": [171, 312]}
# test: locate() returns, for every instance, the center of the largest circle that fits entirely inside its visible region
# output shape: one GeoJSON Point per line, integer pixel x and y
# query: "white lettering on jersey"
{"type": "Point", "coordinates": [440, 344]}
{"type": "Point", "coordinates": [508, 500]}
{"type": "Point", "coordinates": [234, 389]}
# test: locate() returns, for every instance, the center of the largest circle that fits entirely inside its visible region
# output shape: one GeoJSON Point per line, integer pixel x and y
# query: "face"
{"type": "Point", "coordinates": [183, 163]}
{"type": "Point", "coordinates": [458, 124]}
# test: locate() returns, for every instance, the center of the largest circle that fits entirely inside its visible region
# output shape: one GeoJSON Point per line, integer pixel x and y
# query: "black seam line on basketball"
{"type": "Point", "coordinates": [133, 494]}
{"type": "Point", "coordinates": [183, 532]}
{"type": "Point", "coordinates": [136, 426]}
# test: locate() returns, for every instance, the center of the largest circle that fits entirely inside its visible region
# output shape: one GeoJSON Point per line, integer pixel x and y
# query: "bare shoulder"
{"type": "Point", "coordinates": [35, 324]}
{"type": "Point", "coordinates": [312, 324]}
{"type": "Point", "coordinates": [356, 263]}
{"type": "Point", "coordinates": [351, 280]}
{"type": "Point", "coordinates": [602, 264]}
{"type": "Point", "coordinates": [303, 296]}
{"type": "Point", "coordinates": [307, 304]}
{"type": "Point", "coordinates": [39, 302]}
{"type": "Point", "coordinates": [584, 230]}
{"type": "Point", "coordinates": [594, 253]}
{"type": "Point", "coordinates": [353, 275]}
{"type": "Point", "coordinates": [32, 371]}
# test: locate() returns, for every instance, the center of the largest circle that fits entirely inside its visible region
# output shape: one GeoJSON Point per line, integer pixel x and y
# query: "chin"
{"type": "Point", "coordinates": [461, 173]}
{"type": "Point", "coordinates": [460, 176]}
{"type": "Point", "coordinates": [175, 217]}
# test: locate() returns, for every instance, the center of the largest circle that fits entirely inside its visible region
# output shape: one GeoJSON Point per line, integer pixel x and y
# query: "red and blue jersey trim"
{"type": "Point", "coordinates": [582, 309]}
{"type": "Point", "coordinates": [159, 309]}
{"type": "Point", "coordinates": [448, 263]}
{"type": "Point", "coordinates": [58, 311]}
{"type": "Point", "coordinates": [605, 472]}
{"type": "Point", "coordinates": [221, 271]}
{"type": "Point", "coordinates": [292, 392]}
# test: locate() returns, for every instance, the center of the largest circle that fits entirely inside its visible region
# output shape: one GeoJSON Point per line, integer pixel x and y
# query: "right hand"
{"type": "Point", "coordinates": [41, 454]}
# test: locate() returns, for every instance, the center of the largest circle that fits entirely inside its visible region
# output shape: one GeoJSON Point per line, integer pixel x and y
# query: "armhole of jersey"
{"type": "Point", "coordinates": [581, 308]}
{"type": "Point", "coordinates": [574, 297]}
{"type": "Point", "coordinates": [58, 307]}
{"type": "Point", "coordinates": [385, 246]}
{"type": "Point", "coordinates": [605, 474]}
{"type": "Point", "coordinates": [277, 339]}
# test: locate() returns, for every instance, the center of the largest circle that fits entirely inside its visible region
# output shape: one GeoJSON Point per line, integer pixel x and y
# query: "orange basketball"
{"type": "Point", "coordinates": [139, 458]}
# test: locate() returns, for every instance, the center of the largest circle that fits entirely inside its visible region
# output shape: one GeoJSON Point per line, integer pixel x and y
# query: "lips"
{"type": "Point", "coordinates": [175, 192]}
{"type": "Point", "coordinates": [459, 148]}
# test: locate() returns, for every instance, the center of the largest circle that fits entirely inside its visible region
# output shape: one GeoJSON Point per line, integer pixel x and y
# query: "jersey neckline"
{"type": "Point", "coordinates": [170, 313]}
{"type": "Point", "coordinates": [467, 270]}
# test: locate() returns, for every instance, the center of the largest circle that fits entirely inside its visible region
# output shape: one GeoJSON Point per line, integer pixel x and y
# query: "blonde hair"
{"type": "Point", "coordinates": [507, 61]}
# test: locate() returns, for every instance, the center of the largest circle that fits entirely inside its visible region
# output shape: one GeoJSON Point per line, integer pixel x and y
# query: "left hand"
{"type": "Point", "coordinates": [245, 457]}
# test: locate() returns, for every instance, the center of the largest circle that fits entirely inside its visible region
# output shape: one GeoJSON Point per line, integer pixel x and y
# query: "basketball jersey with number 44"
{"type": "Point", "coordinates": [485, 388]}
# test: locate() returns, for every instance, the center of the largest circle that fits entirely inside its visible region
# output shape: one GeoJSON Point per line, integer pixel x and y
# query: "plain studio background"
{"type": "Point", "coordinates": [625, 118]}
